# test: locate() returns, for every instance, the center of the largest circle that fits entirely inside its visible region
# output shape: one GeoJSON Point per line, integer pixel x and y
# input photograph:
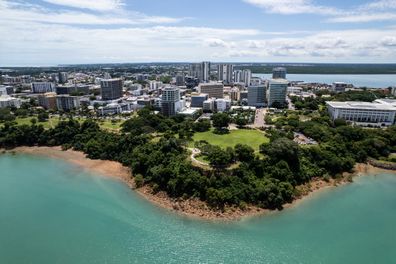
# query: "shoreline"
{"type": "Point", "coordinates": [193, 208]}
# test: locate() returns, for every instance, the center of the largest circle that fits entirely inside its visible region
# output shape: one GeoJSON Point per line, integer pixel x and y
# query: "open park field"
{"type": "Point", "coordinates": [251, 137]}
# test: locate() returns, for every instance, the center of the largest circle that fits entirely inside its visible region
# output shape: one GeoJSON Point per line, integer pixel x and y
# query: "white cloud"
{"type": "Point", "coordinates": [389, 41]}
{"type": "Point", "coordinates": [293, 7]}
{"type": "Point", "coordinates": [380, 5]}
{"type": "Point", "coordinates": [33, 13]}
{"type": "Point", "coordinates": [363, 17]}
{"type": "Point", "coordinates": [370, 12]}
{"type": "Point", "coordinates": [98, 5]}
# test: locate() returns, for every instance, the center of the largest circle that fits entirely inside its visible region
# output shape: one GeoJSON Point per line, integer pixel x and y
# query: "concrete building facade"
{"type": "Point", "coordinates": [111, 89]}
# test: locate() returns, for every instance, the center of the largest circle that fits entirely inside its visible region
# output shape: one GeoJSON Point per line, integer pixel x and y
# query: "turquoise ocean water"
{"type": "Point", "coordinates": [52, 212]}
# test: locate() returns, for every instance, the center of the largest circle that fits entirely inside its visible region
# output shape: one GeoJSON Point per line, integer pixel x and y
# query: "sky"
{"type": "Point", "coordinates": [53, 32]}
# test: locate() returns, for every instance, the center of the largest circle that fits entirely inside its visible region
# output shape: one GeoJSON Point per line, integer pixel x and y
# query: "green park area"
{"type": "Point", "coordinates": [106, 124]}
{"type": "Point", "coordinates": [251, 137]}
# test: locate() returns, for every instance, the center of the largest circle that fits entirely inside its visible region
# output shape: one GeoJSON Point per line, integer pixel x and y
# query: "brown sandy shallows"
{"type": "Point", "coordinates": [191, 207]}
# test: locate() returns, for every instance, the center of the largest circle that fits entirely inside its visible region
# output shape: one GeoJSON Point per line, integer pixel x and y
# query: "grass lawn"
{"type": "Point", "coordinates": [250, 137]}
{"type": "Point", "coordinates": [50, 123]}
{"type": "Point", "coordinates": [109, 125]}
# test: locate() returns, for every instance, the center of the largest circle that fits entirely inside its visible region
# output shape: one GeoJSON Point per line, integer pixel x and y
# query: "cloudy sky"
{"type": "Point", "coordinates": [52, 32]}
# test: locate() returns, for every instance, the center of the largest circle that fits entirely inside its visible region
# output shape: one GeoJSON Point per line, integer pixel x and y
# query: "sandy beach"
{"type": "Point", "coordinates": [191, 207]}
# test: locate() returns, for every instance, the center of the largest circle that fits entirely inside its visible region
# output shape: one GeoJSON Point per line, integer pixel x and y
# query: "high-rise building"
{"type": "Point", "coordinates": [279, 73]}
{"type": "Point", "coordinates": [47, 100]}
{"type": "Point", "coordinates": [111, 89]}
{"type": "Point", "coordinates": [257, 96]}
{"type": "Point", "coordinates": [225, 73]}
{"type": "Point", "coordinates": [201, 71]}
{"type": "Point", "coordinates": [43, 87]}
{"type": "Point", "coordinates": [277, 91]}
{"type": "Point", "coordinates": [247, 77]}
{"type": "Point", "coordinates": [67, 102]}
{"type": "Point", "coordinates": [63, 77]}
{"type": "Point", "coordinates": [206, 71]}
{"type": "Point", "coordinates": [238, 76]}
{"type": "Point", "coordinates": [170, 101]}
{"type": "Point", "coordinates": [179, 80]}
{"type": "Point", "coordinates": [213, 89]}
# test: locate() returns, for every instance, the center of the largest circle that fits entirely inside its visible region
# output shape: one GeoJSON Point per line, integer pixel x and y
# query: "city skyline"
{"type": "Point", "coordinates": [53, 32]}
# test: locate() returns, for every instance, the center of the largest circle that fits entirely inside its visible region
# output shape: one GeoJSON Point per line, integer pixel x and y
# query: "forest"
{"type": "Point", "coordinates": [155, 148]}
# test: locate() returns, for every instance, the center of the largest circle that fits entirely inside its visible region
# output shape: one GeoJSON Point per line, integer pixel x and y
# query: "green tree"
{"type": "Point", "coordinates": [221, 121]}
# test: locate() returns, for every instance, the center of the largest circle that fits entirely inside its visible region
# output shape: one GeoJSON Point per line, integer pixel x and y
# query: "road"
{"type": "Point", "coordinates": [259, 118]}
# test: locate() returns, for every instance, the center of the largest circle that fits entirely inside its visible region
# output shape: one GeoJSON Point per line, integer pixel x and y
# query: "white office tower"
{"type": "Point", "coordinates": [43, 87]}
{"type": "Point", "coordinates": [257, 96]}
{"type": "Point", "coordinates": [277, 91]}
{"type": "Point", "coordinates": [247, 77]}
{"type": "Point", "coordinates": [279, 73]}
{"type": "Point", "coordinates": [206, 71]}
{"type": "Point", "coordinates": [201, 71]}
{"type": "Point", "coordinates": [170, 101]}
{"type": "Point", "coordinates": [238, 76]}
{"type": "Point", "coordinates": [225, 73]}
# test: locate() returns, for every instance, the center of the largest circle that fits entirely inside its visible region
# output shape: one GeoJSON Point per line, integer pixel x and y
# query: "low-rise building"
{"type": "Point", "coordinates": [213, 89]}
{"type": "Point", "coordinates": [209, 105]}
{"type": "Point", "coordinates": [197, 100]}
{"type": "Point", "coordinates": [73, 89]}
{"type": "Point", "coordinates": [114, 108]}
{"type": "Point", "coordinates": [6, 90]}
{"type": "Point", "coordinates": [378, 113]}
{"type": "Point", "coordinates": [339, 87]}
{"type": "Point", "coordinates": [222, 105]}
{"type": "Point", "coordinates": [8, 101]}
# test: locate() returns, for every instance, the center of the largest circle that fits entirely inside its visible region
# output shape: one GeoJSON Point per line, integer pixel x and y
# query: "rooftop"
{"type": "Point", "coordinates": [362, 105]}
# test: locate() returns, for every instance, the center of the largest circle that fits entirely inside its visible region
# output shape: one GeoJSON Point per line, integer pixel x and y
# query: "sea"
{"type": "Point", "coordinates": [358, 80]}
{"type": "Point", "coordinates": [54, 212]}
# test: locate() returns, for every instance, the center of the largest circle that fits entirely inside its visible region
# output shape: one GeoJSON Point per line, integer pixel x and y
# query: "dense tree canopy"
{"type": "Point", "coordinates": [155, 149]}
